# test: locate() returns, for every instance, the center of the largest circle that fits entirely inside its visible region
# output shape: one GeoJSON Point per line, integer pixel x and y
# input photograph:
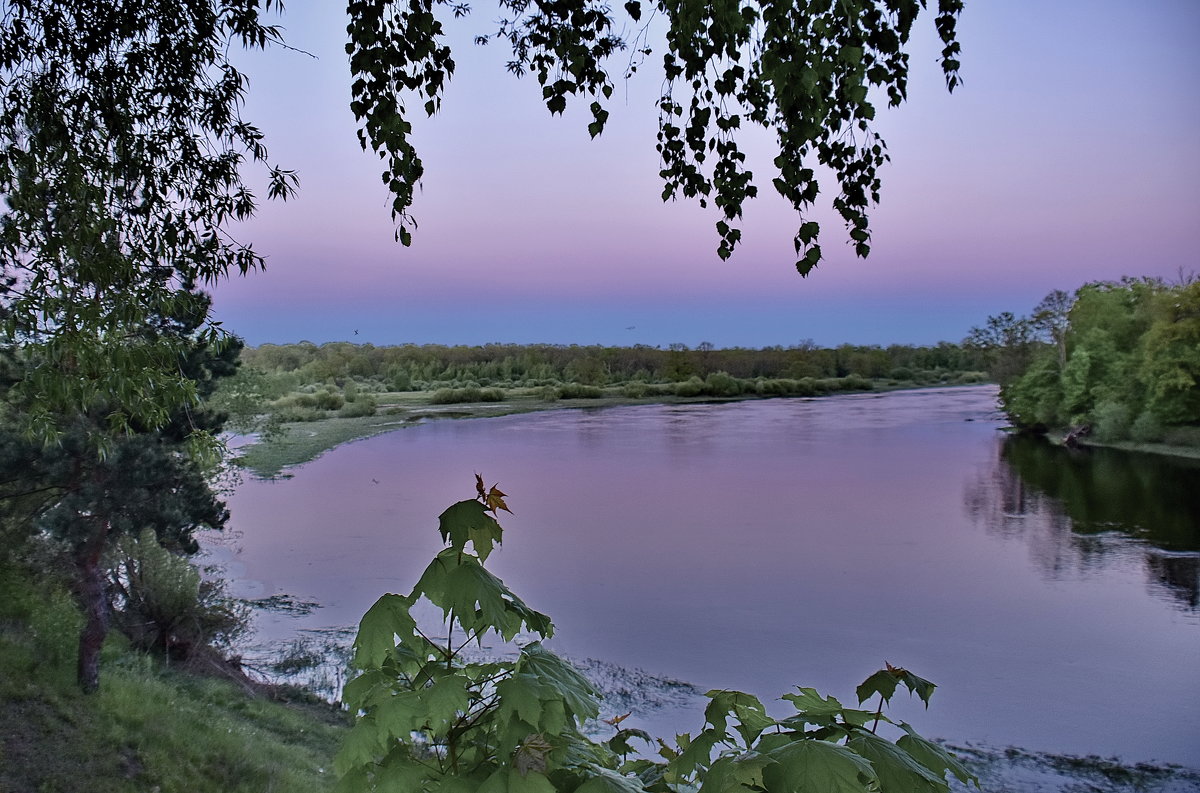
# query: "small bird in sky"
{"type": "Point", "coordinates": [356, 333]}
{"type": "Point", "coordinates": [630, 327]}
{"type": "Point", "coordinates": [373, 479]}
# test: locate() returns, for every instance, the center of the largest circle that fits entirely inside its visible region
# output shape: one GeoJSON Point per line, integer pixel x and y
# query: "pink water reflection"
{"type": "Point", "coordinates": [757, 546]}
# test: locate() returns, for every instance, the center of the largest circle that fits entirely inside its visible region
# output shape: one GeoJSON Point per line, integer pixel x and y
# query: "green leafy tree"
{"type": "Point", "coordinates": [1051, 317]}
{"type": "Point", "coordinates": [1034, 400]}
{"type": "Point", "coordinates": [1007, 343]}
{"type": "Point", "coordinates": [1124, 360]}
{"type": "Point", "coordinates": [1170, 357]}
{"type": "Point", "coordinates": [433, 717]}
{"type": "Point", "coordinates": [94, 486]}
{"type": "Point", "coordinates": [121, 163]}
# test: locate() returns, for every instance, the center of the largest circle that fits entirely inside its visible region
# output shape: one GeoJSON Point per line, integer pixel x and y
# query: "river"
{"type": "Point", "coordinates": [765, 544]}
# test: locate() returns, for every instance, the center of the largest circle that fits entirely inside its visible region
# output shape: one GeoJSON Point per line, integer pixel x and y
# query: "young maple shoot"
{"type": "Point", "coordinates": [431, 718]}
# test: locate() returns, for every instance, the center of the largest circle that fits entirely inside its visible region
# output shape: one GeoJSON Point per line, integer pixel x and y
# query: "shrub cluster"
{"type": "Point", "coordinates": [720, 384]}
{"type": "Point", "coordinates": [359, 408]}
{"type": "Point", "coordinates": [162, 603]}
{"type": "Point", "coordinates": [451, 396]}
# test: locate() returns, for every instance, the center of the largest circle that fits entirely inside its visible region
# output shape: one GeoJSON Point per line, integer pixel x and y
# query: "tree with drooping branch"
{"type": "Point", "coordinates": [124, 153]}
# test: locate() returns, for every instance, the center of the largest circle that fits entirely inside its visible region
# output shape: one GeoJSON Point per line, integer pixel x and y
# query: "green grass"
{"type": "Point", "coordinates": [152, 728]}
{"type": "Point", "coordinates": [1170, 449]}
{"type": "Point", "coordinates": [300, 442]}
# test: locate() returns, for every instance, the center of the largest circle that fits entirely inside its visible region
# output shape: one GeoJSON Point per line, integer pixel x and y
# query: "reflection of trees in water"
{"type": "Point", "coordinates": [1080, 511]}
{"type": "Point", "coordinates": [1179, 575]}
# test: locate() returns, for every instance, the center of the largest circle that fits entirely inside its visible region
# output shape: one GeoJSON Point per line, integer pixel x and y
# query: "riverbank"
{"type": "Point", "coordinates": [1186, 446]}
{"type": "Point", "coordinates": [296, 443]}
{"type": "Point", "coordinates": [155, 727]}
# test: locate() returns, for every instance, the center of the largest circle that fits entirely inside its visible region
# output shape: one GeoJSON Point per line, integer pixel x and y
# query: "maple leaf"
{"type": "Point", "coordinates": [531, 754]}
{"type": "Point", "coordinates": [884, 683]}
{"type": "Point", "coordinates": [493, 499]}
{"type": "Point", "coordinates": [469, 521]}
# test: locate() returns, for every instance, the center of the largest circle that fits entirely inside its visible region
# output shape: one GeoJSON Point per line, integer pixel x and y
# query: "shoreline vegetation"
{"type": "Point", "coordinates": [158, 725]}
{"type": "Point", "coordinates": [199, 722]}
{"type": "Point", "coordinates": [291, 444]}
{"type": "Point", "coordinates": [1115, 364]}
{"type": "Point", "coordinates": [299, 400]}
{"type": "Point", "coordinates": [1115, 359]}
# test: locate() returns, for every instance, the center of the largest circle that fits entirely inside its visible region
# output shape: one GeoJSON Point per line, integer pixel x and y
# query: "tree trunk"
{"type": "Point", "coordinates": [94, 601]}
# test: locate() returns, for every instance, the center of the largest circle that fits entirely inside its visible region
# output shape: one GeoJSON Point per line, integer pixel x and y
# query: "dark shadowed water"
{"type": "Point", "coordinates": [760, 545]}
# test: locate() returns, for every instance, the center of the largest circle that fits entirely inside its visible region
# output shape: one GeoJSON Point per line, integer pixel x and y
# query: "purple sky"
{"type": "Point", "coordinates": [1069, 154]}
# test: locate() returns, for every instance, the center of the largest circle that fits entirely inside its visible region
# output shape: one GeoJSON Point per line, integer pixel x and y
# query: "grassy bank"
{"type": "Point", "coordinates": [156, 727]}
{"type": "Point", "coordinates": [1179, 442]}
{"type": "Point", "coordinates": [1169, 449]}
{"type": "Point", "coordinates": [296, 443]}
{"type": "Point", "coordinates": [151, 727]}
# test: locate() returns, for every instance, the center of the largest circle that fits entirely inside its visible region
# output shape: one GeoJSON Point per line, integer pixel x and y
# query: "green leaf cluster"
{"type": "Point", "coordinates": [803, 70]}
{"type": "Point", "coordinates": [430, 718]}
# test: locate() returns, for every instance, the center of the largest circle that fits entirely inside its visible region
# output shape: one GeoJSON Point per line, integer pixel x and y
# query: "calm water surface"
{"type": "Point", "coordinates": [761, 545]}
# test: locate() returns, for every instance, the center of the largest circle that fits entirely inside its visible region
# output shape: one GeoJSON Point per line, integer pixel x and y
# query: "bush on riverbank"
{"type": "Point", "coordinates": [360, 407]}
{"type": "Point", "coordinates": [574, 391]}
{"type": "Point", "coordinates": [471, 393]}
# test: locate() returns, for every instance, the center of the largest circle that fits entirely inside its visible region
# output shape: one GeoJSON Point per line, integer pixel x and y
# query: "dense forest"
{"type": "Point", "coordinates": [413, 367]}
{"type": "Point", "coordinates": [1117, 360]}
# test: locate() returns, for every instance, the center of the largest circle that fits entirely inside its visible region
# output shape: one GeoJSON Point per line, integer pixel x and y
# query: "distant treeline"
{"type": "Point", "coordinates": [411, 367]}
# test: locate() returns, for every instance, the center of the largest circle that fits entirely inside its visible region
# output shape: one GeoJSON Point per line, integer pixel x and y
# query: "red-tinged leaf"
{"type": "Point", "coordinates": [495, 500]}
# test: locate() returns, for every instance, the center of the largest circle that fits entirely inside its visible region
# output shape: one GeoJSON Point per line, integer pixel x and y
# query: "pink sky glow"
{"type": "Point", "coordinates": [1068, 155]}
